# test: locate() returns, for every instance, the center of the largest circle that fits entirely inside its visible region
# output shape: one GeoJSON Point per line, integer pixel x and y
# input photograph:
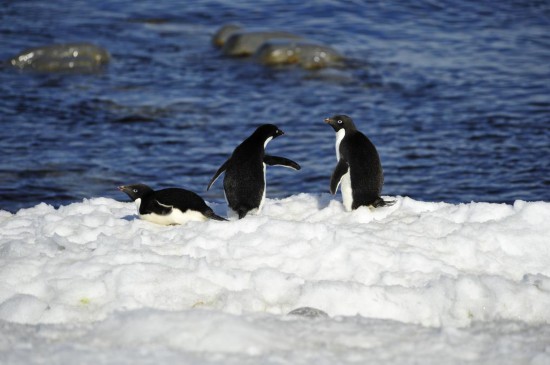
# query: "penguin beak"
{"type": "Point", "coordinates": [122, 188]}
{"type": "Point", "coordinates": [332, 123]}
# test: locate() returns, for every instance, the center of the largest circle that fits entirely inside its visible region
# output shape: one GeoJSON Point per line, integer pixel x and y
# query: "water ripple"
{"type": "Point", "coordinates": [454, 95]}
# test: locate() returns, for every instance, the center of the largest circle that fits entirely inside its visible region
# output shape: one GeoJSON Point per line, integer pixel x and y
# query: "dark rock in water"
{"type": "Point", "coordinates": [221, 36]}
{"type": "Point", "coordinates": [276, 48]}
{"type": "Point", "coordinates": [309, 55]}
{"type": "Point", "coordinates": [308, 312]}
{"type": "Point", "coordinates": [68, 57]}
{"type": "Point", "coordinates": [247, 43]}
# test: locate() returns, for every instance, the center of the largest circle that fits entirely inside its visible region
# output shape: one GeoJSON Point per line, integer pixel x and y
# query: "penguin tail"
{"type": "Point", "coordinates": [242, 212]}
{"type": "Point", "coordinates": [379, 202]}
{"type": "Point", "coordinates": [210, 214]}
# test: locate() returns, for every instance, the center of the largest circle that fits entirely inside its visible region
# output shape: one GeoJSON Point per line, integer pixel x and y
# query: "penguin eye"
{"type": "Point", "coordinates": [339, 121]}
{"type": "Point", "coordinates": [135, 190]}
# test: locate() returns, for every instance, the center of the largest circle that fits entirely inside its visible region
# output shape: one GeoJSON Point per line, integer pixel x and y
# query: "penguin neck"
{"type": "Point", "coordinates": [339, 137]}
{"type": "Point", "coordinates": [139, 200]}
{"type": "Point", "coordinates": [267, 141]}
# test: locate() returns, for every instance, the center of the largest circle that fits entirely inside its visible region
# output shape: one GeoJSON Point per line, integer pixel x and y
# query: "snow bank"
{"type": "Point", "coordinates": [91, 273]}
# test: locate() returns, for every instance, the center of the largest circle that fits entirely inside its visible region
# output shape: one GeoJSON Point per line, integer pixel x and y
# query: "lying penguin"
{"type": "Point", "coordinates": [169, 206]}
{"type": "Point", "coordinates": [244, 181]}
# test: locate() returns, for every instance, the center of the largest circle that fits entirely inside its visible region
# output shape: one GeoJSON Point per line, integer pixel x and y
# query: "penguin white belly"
{"type": "Point", "coordinates": [339, 137]}
{"type": "Point", "coordinates": [345, 187]}
{"type": "Point", "coordinates": [256, 211]}
{"type": "Point", "coordinates": [175, 217]}
{"type": "Point", "coordinates": [345, 182]}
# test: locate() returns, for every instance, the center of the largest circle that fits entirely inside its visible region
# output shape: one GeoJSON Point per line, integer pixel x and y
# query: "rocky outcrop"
{"type": "Point", "coordinates": [67, 57]}
{"type": "Point", "coordinates": [309, 55]}
{"type": "Point", "coordinates": [275, 48]}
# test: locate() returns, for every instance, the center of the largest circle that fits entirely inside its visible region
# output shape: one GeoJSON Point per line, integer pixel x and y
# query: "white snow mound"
{"type": "Point", "coordinates": [94, 269]}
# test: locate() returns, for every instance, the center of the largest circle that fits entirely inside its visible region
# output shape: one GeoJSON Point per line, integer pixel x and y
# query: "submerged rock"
{"type": "Point", "coordinates": [221, 36]}
{"type": "Point", "coordinates": [274, 48]}
{"type": "Point", "coordinates": [247, 43]}
{"type": "Point", "coordinates": [309, 55]}
{"type": "Point", "coordinates": [68, 57]}
{"type": "Point", "coordinates": [308, 312]}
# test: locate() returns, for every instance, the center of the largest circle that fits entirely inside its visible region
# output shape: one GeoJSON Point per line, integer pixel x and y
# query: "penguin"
{"type": "Point", "coordinates": [359, 171]}
{"type": "Point", "coordinates": [169, 206]}
{"type": "Point", "coordinates": [244, 181]}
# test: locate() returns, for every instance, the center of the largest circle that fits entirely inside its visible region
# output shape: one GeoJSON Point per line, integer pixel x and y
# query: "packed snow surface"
{"type": "Point", "coordinates": [417, 282]}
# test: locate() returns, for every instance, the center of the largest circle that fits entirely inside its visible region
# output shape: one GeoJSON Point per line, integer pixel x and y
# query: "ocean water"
{"type": "Point", "coordinates": [454, 94]}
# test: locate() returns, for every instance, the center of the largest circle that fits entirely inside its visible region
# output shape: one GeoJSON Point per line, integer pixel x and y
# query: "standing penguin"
{"type": "Point", "coordinates": [359, 169]}
{"type": "Point", "coordinates": [244, 181]}
{"type": "Point", "coordinates": [169, 206]}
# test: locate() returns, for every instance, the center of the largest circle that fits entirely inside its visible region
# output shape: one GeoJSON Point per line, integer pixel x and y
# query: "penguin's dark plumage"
{"type": "Point", "coordinates": [169, 206]}
{"type": "Point", "coordinates": [359, 171]}
{"type": "Point", "coordinates": [244, 181]}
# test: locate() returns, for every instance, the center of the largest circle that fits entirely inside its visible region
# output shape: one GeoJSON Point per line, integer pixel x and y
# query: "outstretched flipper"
{"type": "Point", "coordinates": [340, 170]}
{"type": "Point", "coordinates": [280, 161]}
{"type": "Point", "coordinates": [210, 214]}
{"type": "Point", "coordinates": [217, 174]}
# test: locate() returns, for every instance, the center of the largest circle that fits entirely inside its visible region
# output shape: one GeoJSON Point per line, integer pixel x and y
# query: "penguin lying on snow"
{"type": "Point", "coordinates": [244, 181]}
{"type": "Point", "coordinates": [169, 206]}
{"type": "Point", "coordinates": [359, 170]}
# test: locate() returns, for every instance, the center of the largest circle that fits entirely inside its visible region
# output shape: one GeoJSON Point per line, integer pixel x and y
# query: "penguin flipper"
{"type": "Point", "coordinates": [281, 161]}
{"type": "Point", "coordinates": [157, 207]}
{"type": "Point", "coordinates": [217, 174]}
{"type": "Point", "coordinates": [340, 170]}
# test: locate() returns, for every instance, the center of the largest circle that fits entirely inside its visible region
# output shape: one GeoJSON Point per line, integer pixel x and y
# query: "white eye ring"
{"type": "Point", "coordinates": [340, 122]}
{"type": "Point", "coordinates": [135, 190]}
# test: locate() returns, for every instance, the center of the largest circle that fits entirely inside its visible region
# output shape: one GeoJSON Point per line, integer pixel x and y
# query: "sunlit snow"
{"type": "Point", "coordinates": [417, 282]}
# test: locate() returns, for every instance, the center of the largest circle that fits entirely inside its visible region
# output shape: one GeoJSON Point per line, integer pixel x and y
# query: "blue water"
{"type": "Point", "coordinates": [454, 94]}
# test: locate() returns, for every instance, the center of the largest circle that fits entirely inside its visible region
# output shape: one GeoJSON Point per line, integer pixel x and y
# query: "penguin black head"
{"type": "Point", "coordinates": [268, 130]}
{"type": "Point", "coordinates": [135, 191]}
{"type": "Point", "coordinates": [341, 122]}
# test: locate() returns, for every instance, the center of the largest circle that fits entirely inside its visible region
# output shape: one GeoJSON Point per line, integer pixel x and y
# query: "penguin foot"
{"type": "Point", "coordinates": [379, 202]}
